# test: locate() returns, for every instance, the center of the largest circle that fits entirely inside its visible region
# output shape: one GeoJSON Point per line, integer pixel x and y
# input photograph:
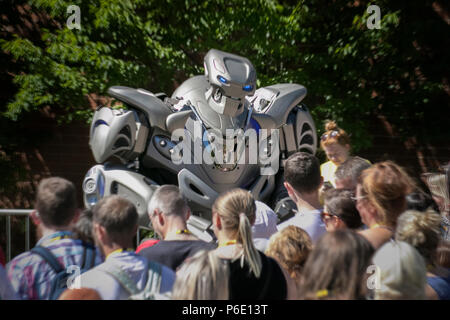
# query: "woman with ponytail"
{"type": "Point", "coordinates": [252, 274]}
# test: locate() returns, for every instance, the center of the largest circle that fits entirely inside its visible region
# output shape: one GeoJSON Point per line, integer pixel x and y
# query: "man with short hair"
{"type": "Point", "coordinates": [347, 174]}
{"type": "Point", "coordinates": [168, 211]}
{"type": "Point", "coordinates": [303, 181]}
{"type": "Point", "coordinates": [54, 216]}
{"type": "Point", "coordinates": [115, 222]}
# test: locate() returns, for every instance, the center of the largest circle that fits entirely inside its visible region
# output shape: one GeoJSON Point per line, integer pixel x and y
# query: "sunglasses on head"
{"type": "Point", "coordinates": [331, 134]}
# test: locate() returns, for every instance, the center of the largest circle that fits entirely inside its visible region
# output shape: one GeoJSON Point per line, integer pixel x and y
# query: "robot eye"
{"type": "Point", "coordinates": [222, 79]}
{"type": "Point", "coordinates": [247, 88]}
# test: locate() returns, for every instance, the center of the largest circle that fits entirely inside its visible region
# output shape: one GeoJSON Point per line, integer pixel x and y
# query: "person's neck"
{"type": "Point", "coordinates": [374, 222]}
{"type": "Point", "coordinates": [174, 231]}
{"type": "Point", "coordinates": [46, 231]}
{"type": "Point", "coordinates": [227, 247]}
{"type": "Point", "coordinates": [308, 202]}
{"type": "Point", "coordinates": [223, 238]}
{"type": "Point", "coordinates": [110, 248]}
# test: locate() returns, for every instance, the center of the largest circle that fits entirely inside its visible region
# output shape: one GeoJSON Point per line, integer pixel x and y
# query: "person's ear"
{"type": "Point", "coordinates": [161, 218]}
{"type": "Point", "coordinates": [34, 215]}
{"type": "Point", "coordinates": [100, 232]}
{"type": "Point", "coordinates": [321, 182]}
{"type": "Point", "coordinates": [348, 147]}
{"type": "Point", "coordinates": [188, 214]}
{"type": "Point", "coordinates": [371, 209]}
{"type": "Point", "coordinates": [338, 223]}
{"type": "Point", "coordinates": [291, 191]}
{"type": "Point", "coordinates": [217, 221]}
{"type": "Point", "coordinates": [76, 216]}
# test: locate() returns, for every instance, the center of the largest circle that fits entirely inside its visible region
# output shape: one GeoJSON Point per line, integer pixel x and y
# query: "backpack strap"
{"type": "Point", "coordinates": [49, 257]}
{"type": "Point", "coordinates": [154, 276]}
{"type": "Point", "coordinates": [121, 277]}
{"type": "Point", "coordinates": [88, 260]}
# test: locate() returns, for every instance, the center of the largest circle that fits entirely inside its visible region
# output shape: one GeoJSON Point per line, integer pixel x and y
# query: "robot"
{"type": "Point", "coordinates": [216, 132]}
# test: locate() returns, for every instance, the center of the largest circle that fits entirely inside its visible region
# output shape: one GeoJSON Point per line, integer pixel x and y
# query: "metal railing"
{"type": "Point", "coordinates": [8, 213]}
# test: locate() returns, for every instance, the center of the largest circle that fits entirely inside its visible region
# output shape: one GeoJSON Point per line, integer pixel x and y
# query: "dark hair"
{"type": "Point", "coordinates": [336, 267]}
{"type": "Point", "coordinates": [352, 168]}
{"type": "Point", "coordinates": [56, 201]}
{"type": "Point", "coordinates": [420, 201]}
{"type": "Point", "coordinates": [117, 215]}
{"type": "Point", "coordinates": [83, 227]}
{"type": "Point", "coordinates": [302, 171]}
{"type": "Point", "coordinates": [339, 202]}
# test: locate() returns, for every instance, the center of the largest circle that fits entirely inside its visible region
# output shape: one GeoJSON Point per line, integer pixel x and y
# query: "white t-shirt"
{"type": "Point", "coordinates": [265, 225]}
{"type": "Point", "coordinates": [136, 268]}
{"type": "Point", "coordinates": [309, 221]}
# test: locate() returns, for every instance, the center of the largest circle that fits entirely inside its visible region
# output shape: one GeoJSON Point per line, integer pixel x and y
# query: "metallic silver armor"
{"type": "Point", "coordinates": [206, 108]}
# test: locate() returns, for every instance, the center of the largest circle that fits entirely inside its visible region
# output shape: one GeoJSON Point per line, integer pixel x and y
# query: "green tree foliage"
{"type": "Point", "coordinates": [351, 72]}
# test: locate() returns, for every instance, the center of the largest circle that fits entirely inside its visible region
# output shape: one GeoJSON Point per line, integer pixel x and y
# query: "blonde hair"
{"type": "Point", "coordinates": [421, 230]}
{"type": "Point", "coordinates": [290, 247]}
{"type": "Point", "coordinates": [237, 210]}
{"type": "Point", "coordinates": [386, 185]}
{"type": "Point", "coordinates": [402, 272]}
{"type": "Point", "coordinates": [438, 185]}
{"type": "Point", "coordinates": [341, 138]}
{"type": "Point", "coordinates": [203, 276]}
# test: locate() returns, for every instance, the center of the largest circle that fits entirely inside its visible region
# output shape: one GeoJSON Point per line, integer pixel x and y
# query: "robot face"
{"type": "Point", "coordinates": [231, 78]}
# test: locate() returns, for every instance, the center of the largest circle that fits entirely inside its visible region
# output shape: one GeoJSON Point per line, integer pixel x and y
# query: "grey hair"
{"type": "Point", "coordinates": [203, 276]}
{"type": "Point", "coordinates": [169, 200]}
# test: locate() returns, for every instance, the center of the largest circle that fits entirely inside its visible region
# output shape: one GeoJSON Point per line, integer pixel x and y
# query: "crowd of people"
{"type": "Point", "coordinates": [360, 231]}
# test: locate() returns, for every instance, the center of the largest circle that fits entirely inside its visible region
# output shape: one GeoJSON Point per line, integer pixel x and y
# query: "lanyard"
{"type": "Point", "coordinates": [322, 293]}
{"type": "Point", "coordinates": [119, 251]}
{"type": "Point", "coordinates": [377, 225]}
{"type": "Point", "coordinates": [183, 231]}
{"type": "Point", "coordinates": [227, 243]}
{"type": "Point", "coordinates": [56, 238]}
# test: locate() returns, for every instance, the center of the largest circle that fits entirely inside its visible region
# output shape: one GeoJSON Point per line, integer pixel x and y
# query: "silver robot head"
{"type": "Point", "coordinates": [231, 78]}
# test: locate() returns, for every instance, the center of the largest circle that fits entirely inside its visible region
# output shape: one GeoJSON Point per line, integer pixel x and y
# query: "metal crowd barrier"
{"type": "Point", "coordinates": [15, 212]}
{"type": "Point", "coordinates": [8, 213]}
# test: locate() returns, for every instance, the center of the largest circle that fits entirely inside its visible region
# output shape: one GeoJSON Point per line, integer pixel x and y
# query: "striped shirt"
{"type": "Point", "coordinates": [31, 276]}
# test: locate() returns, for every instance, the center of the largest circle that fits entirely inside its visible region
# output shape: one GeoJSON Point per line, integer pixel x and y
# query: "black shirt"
{"type": "Point", "coordinates": [271, 285]}
{"type": "Point", "coordinates": [172, 253]}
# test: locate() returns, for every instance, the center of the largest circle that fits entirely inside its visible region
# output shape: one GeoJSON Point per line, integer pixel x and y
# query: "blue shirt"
{"type": "Point", "coordinates": [441, 285]}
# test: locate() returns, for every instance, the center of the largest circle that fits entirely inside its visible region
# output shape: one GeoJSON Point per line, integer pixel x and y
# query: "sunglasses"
{"type": "Point", "coordinates": [325, 216]}
{"type": "Point", "coordinates": [331, 134]}
{"type": "Point", "coordinates": [358, 198]}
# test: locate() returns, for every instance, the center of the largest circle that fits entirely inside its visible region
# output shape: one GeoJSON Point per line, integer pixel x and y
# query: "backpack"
{"type": "Point", "coordinates": [152, 287]}
{"type": "Point", "coordinates": [59, 282]}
